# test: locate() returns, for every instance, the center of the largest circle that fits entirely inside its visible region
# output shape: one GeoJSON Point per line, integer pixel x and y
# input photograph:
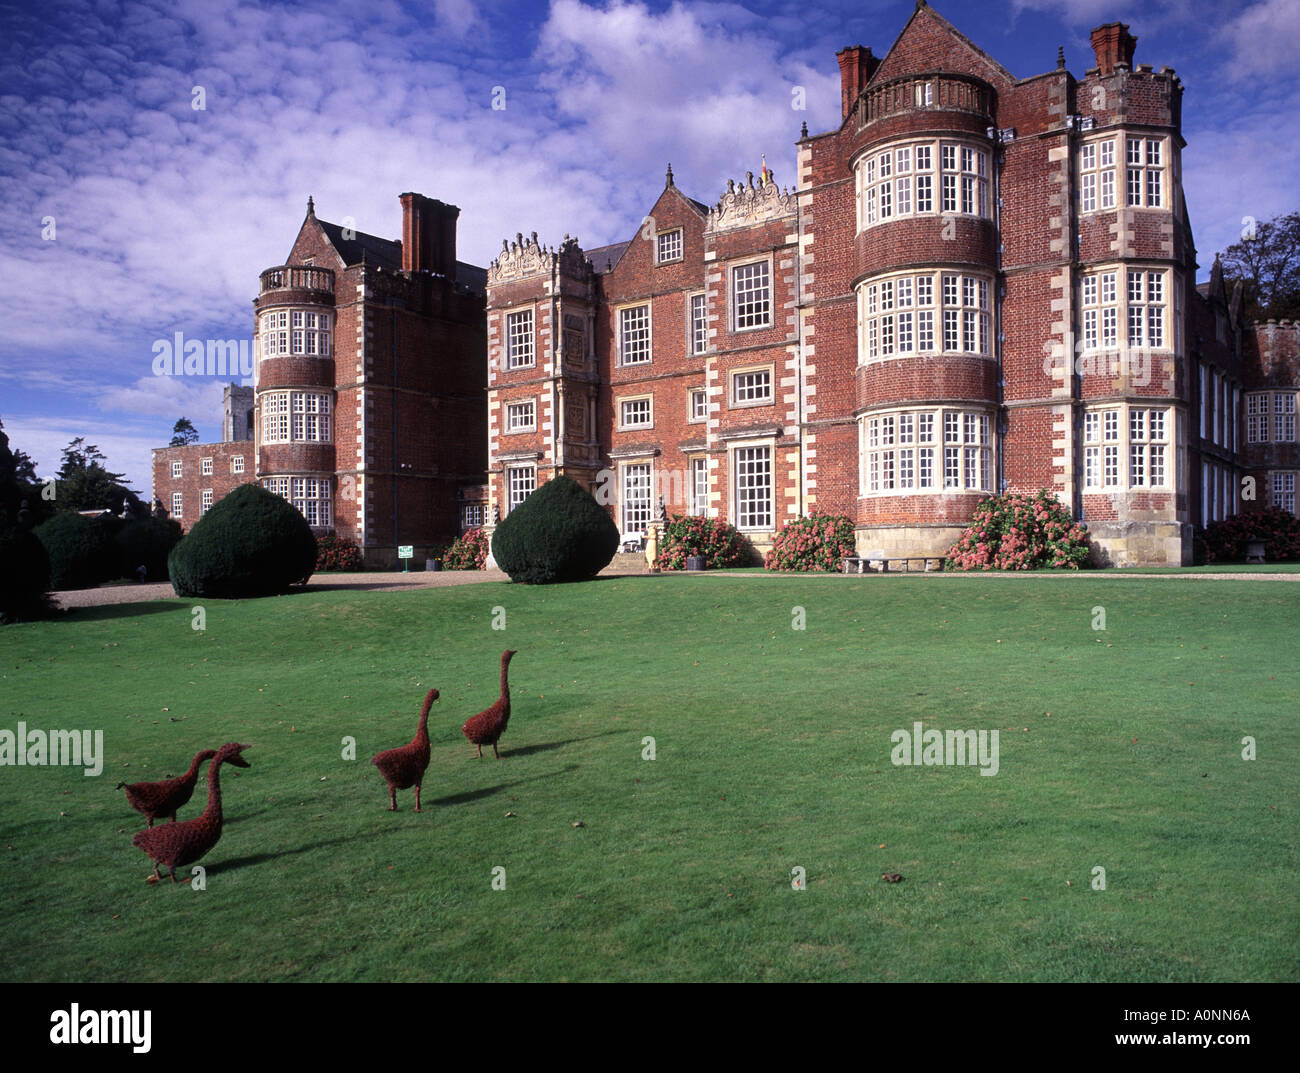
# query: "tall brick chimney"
{"type": "Point", "coordinates": [857, 65]}
{"type": "Point", "coordinates": [428, 235]}
{"type": "Point", "coordinates": [1113, 44]}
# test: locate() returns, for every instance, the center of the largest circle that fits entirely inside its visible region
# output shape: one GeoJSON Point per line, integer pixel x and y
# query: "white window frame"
{"type": "Point", "coordinates": [1146, 165]}
{"type": "Point", "coordinates": [516, 421]}
{"type": "Point", "coordinates": [237, 464]}
{"type": "Point", "coordinates": [636, 492]}
{"type": "Point", "coordinates": [205, 501]}
{"type": "Point", "coordinates": [676, 251]}
{"type": "Point", "coordinates": [635, 335]}
{"type": "Point", "coordinates": [752, 382]}
{"type": "Point", "coordinates": [1098, 173]}
{"type": "Point", "coordinates": [178, 505]}
{"type": "Point", "coordinates": [699, 470]}
{"type": "Point", "coordinates": [755, 313]}
{"type": "Point", "coordinates": [520, 482]}
{"type": "Point", "coordinates": [520, 331]}
{"type": "Point", "coordinates": [1129, 447]}
{"type": "Point", "coordinates": [749, 513]}
{"type": "Point", "coordinates": [697, 405]}
{"type": "Point", "coordinates": [1281, 489]}
{"type": "Point", "coordinates": [1108, 303]}
{"type": "Point", "coordinates": [698, 323]}
{"type": "Point", "coordinates": [205, 467]}
{"type": "Point", "coordinates": [636, 400]}
{"type": "Point", "coordinates": [912, 314]}
{"type": "Point", "coordinates": [178, 467]}
{"type": "Point", "coordinates": [924, 451]}
{"type": "Point", "coordinates": [943, 177]}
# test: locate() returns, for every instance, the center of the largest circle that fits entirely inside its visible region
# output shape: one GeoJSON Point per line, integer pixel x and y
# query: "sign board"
{"type": "Point", "coordinates": [406, 551]}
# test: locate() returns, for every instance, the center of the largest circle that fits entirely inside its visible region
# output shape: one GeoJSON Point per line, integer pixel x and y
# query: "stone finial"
{"type": "Point", "coordinates": [1060, 57]}
{"type": "Point", "coordinates": [803, 129]}
{"type": "Point", "coordinates": [669, 177]}
{"type": "Point", "coordinates": [749, 175]}
{"type": "Point", "coordinates": [311, 206]}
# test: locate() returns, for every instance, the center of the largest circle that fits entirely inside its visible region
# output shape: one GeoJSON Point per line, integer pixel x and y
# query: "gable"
{"type": "Point", "coordinates": [929, 42]}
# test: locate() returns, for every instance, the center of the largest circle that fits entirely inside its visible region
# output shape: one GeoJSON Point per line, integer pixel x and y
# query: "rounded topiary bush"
{"type": "Point", "coordinates": [251, 543]}
{"type": "Point", "coordinates": [24, 577]}
{"type": "Point", "coordinates": [80, 550]}
{"type": "Point", "coordinates": [559, 533]}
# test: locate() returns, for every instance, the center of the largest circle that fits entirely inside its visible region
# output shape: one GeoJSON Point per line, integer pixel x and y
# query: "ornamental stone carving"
{"type": "Point", "coordinates": [744, 205]}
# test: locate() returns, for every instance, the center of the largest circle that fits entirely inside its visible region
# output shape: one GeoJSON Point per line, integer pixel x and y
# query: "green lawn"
{"type": "Point", "coordinates": [1118, 748]}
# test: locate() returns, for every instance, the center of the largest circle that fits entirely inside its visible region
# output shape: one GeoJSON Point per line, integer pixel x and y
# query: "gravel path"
{"type": "Point", "coordinates": [397, 581]}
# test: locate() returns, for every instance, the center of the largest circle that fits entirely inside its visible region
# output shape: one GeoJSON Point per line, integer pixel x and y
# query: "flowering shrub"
{"type": "Point", "coordinates": [817, 542]}
{"type": "Point", "coordinates": [1225, 541]}
{"type": "Point", "coordinates": [470, 552]}
{"type": "Point", "coordinates": [713, 538]}
{"type": "Point", "coordinates": [1021, 532]}
{"type": "Point", "coordinates": [337, 553]}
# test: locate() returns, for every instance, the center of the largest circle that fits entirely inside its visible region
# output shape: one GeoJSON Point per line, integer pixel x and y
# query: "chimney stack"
{"type": "Point", "coordinates": [857, 65]}
{"type": "Point", "coordinates": [1113, 45]}
{"type": "Point", "coordinates": [428, 235]}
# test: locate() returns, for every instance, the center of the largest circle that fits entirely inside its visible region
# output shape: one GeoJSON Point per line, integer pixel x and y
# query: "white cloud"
{"type": "Point", "coordinates": [1265, 40]}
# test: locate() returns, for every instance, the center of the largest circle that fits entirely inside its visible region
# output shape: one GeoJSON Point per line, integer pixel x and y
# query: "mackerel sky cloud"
{"type": "Point", "coordinates": [163, 214]}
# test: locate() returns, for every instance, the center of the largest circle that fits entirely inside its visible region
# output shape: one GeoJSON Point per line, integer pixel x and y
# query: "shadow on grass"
{"type": "Point", "coordinates": [489, 791]}
{"type": "Point", "coordinates": [110, 611]}
{"type": "Point", "coordinates": [263, 858]}
{"type": "Point", "coordinates": [546, 747]}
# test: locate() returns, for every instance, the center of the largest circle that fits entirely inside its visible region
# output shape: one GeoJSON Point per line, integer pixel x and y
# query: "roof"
{"type": "Point", "coordinates": [471, 276]}
{"type": "Point", "coordinates": [603, 258]}
{"type": "Point", "coordinates": [387, 253]}
{"type": "Point", "coordinates": [362, 247]}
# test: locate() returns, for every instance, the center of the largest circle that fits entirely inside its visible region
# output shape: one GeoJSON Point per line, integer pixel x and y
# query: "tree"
{"type": "Point", "coordinates": [559, 533]}
{"type": "Point", "coordinates": [1267, 262]}
{"type": "Point", "coordinates": [84, 483]}
{"type": "Point", "coordinates": [184, 433]}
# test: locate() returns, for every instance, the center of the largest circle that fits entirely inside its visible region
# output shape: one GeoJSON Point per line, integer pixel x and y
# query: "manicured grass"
{"type": "Point", "coordinates": [1118, 748]}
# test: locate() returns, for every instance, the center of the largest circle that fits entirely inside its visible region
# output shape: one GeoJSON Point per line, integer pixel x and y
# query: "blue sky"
{"type": "Point", "coordinates": [164, 215]}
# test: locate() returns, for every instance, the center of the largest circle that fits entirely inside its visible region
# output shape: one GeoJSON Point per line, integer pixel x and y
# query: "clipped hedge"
{"type": "Point", "coordinates": [817, 542]}
{"type": "Point", "coordinates": [251, 543]}
{"type": "Point", "coordinates": [81, 551]}
{"type": "Point", "coordinates": [145, 542]}
{"type": "Point", "coordinates": [715, 539]}
{"type": "Point", "coordinates": [559, 533]}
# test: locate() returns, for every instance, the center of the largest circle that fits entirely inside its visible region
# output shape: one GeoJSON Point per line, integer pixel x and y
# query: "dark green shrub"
{"type": "Point", "coordinates": [24, 577]}
{"type": "Point", "coordinates": [251, 543]}
{"type": "Point", "coordinates": [559, 533]}
{"type": "Point", "coordinates": [338, 553]}
{"type": "Point", "coordinates": [1226, 541]}
{"type": "Point", "coordinates": [145, 542]}
{"type": "Point", "coordinates": [715, 539]}
{"type": "Point", "coordinates": [80, 550]}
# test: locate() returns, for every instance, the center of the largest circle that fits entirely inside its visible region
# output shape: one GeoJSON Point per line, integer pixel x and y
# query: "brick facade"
{"type": "Point", "coordinates": [978, 284]}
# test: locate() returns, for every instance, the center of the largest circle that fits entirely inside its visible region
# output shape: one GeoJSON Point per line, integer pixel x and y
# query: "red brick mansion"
{"type": "Point", "coordinates": [978, 283]}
